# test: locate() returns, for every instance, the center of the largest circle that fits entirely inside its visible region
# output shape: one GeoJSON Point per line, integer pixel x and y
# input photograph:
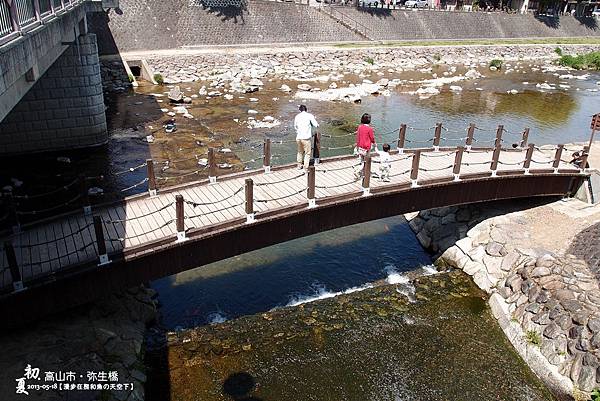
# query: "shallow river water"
{"type": "Point", "coordinates": [242, 329]}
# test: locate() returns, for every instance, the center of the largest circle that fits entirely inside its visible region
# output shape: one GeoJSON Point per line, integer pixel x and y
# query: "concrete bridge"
{"type": "Point", "coordinates": [50, 87]}
{"type": "Point", "coordinates": [76, 257]}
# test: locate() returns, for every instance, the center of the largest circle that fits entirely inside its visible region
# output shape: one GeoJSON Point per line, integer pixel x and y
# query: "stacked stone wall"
{"type": "Point", "coordinates": [547, 302]}
{"type": "Point", "coordinates": [64, 109]}
{"type": "Point", "coordinates": [157, 24]}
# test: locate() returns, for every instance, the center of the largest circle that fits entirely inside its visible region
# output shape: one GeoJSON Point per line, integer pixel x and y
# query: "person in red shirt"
{"type": "Point", "coordinates": [365, 137]}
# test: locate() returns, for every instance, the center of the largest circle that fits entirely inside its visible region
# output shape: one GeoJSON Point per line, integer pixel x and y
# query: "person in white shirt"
{"type": "Point", "coordinates": [303, 124]}
{"type": "Point", "coordinates": [384, 162]}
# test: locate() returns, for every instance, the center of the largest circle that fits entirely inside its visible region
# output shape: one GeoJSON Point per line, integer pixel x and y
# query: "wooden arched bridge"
{"type": "Point", "coordinates": [73, 258]}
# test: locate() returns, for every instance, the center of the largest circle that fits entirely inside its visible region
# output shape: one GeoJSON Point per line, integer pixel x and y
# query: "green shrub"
{"type": "Point", "coordinates": [496, 63]}
{"type": "Point", "coordinates": [558, 51]}
{"type": "Point", "coordinates": [369, 60]}
{"type": "Point", "coordinates": [533, 337]}
{"type": "Point", "coordinates": [589, 61]}
{"type": "Point", "coordinates": [159, 79]}
{"type": "Point", "coordinates": [131, 77]}
{"type": "Point", "coordinates": [595, 395]}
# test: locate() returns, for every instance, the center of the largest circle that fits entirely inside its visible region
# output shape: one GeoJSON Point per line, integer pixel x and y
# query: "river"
{"type": "Point", "coordinates": [357, 313]}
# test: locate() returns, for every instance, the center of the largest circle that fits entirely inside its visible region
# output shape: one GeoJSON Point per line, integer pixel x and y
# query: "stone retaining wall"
{"type": "Point", "coordinates": [158, 24]}
{"type": "Point", "coordinates": [226, 67]}
{"type": "Point", "coordinates": [547, 303]}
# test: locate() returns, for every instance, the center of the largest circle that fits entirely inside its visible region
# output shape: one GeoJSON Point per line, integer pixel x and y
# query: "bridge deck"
{"type": "Point", "coordinates": [137, 222]}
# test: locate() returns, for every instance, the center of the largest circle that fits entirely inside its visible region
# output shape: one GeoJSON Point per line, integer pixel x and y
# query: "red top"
{"type": "Point", "coordinates": [365, 136]}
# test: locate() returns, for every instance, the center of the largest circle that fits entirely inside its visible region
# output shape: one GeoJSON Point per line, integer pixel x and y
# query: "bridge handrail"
{"type": "Point", "coordinates": [20, 16]}
{"type": "Point", "coordinates": [208, 164]}
{"type": "Point", "coordinates": [99, 241]}
{"type": "Point", "coordinates": [342, 17]}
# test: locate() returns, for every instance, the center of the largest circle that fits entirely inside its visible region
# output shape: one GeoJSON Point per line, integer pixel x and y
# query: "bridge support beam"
{"type": "Point", "coordinates": [65, 107]}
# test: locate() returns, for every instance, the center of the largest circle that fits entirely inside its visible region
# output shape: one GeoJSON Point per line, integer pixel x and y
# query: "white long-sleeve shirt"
{"type": "Point", "coordinates": [303, 124]}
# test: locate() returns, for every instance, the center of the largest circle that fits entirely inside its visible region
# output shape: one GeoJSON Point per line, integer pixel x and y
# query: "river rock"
{"type": "Point", "coordinates": [495, 249]}
{"type": "Point", "coordinates": [552, 331]}
{"type": "Point", "coordinates": [304, 87]}
{"type": "Point", "coordinates": [175, 95]}
{"type": "Point", "coordinates": [587, 378]}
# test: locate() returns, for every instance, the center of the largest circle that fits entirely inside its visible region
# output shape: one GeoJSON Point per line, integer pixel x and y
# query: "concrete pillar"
{"type": "Point", "coordinates": [65, 107]}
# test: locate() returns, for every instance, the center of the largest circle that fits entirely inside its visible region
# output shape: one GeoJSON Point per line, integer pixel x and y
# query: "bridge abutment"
{"type": "Point", "coordinates": [65, 107]}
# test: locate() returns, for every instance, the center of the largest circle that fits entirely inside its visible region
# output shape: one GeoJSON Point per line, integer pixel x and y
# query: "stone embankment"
{"type": "Point", "coordinates": [104, 337]}
{"type": "Point", "coordinates": [223, 69]}
{"type": "Point", "coordinates": [546, 299]}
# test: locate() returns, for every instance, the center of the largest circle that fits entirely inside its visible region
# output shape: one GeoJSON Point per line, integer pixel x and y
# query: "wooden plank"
{"type": "Point", "coordinates": [146, 208]}
{"type": "Point", "coordinates": [110, 231]}
{"type": "Point", "coordinates": [142, 227]}
{"type": "Point", "coordinates": [231, 187]}
{"type": "Point", "coordinates": [160, 218]}
{"type": "Point", "coordinates": [69, 241]}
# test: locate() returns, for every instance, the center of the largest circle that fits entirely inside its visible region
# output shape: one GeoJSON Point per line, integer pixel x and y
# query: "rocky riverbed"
{"type": "Point", "coordinates": [543, 286]}
{"type": "Point", "coordinates": [98, 344]}
{"type": "Point", "coordinates": [424, 338]}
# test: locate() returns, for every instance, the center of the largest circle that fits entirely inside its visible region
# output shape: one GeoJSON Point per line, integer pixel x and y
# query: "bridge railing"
{"type": "Point", "coordinates": [102, 237]}
{"type": "Point", "coordinates": [20, 16]}
{"type": "Point", "coordinates": [155, 175]}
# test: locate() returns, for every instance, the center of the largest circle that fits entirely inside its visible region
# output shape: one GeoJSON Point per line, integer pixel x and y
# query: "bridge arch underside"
{"type": "Point", "coordinates": [157, 260]}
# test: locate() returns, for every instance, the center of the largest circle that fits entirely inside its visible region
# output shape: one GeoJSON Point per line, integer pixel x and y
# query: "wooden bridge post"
{"type": "Point", "coordinates": [310, 187]}
{"type": "Point", "coordinates": [13, 217]}
{"type": "Point", "coordinates": [401, 138]}
{"type": "Point", "coordinates": [100, 243]}
{"type": "Point", "coordinates": [317, 148]}
{"type": "Point", "coordinates": [179, 218]}
{"type": "Point", "coordinates": [414, 171]}
{"type": "Point", "coordinates": [584, 158]}
{"type": "Point", "coordinates": [437, 137]}
{"type": "Point", "coordinates": [249, 192]}
{"type": "Point", "coordinates": [267, 155]}
{"type": "Point", "coordinates": [495, 158]}
{"type": "Point", "coordinates": [457, 162]}
{"type": "Point", "coordinates": [557, 157]}
{"type": "Point", "coordinates": [85, 199]}
{"type": "Point", "coordinates": [15, 273]}
{"type": "Point", "coordinates": [525, 138]}
{"type": "Point", "coordinates": [498, 141]}
{"type": "Point", "coordinates": [151, 177]}
{"type": "Point", "coordinates": [470, 133]}
{"type": "Point", "coordinates": [212, 166]}
{"type": "Point", "coordinates": [366, 181]}
{"type": "Point", "coordinates": [528, 157]}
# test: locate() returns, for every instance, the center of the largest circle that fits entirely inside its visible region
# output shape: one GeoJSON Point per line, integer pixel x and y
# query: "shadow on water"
{"type": "Point", "coordinates": [239, 386]}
